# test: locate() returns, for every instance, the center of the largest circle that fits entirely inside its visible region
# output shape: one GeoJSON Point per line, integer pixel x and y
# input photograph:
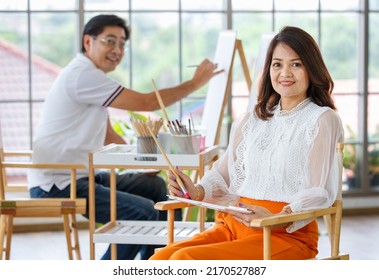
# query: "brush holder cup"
{"type": "Point", "coordinates": [146, 145]}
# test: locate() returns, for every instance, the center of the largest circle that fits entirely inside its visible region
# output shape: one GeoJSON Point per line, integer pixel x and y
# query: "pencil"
{"type": "Point", "coordinates": [180, 182]}
{"type": "Point", "coordinates": [160, 101]}
{"type": "Point", "coordinates": [194, 66]}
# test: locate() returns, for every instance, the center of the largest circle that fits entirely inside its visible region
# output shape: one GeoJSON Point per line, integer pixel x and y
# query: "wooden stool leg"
{"type": "Point", "coordinates": [75, 234]}
{"type": "Point", "coordinates": [267, 243]}
{"type": "Point", "coordinates": [328, 225]}
{"type": "Point", "coordinates": [9, 238]}
{"type": "Point", "coordinates": [66, 224]}
{"type": "Point", "coordinates": [186, 212]}
{"type": "Point", "coordinates": [3, 227]}
{"type": "Point", "coordinates": [170, 226]}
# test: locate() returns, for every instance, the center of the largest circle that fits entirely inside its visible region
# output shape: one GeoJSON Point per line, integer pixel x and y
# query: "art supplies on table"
{"type": "Point", "coordinates": [172, 169]}
{"type": "Point", "coordinates": [184, 138]}
{"type": "Point", "coordinates": [140, 126]}
{"type": "Point", "coordinates": [145, 143]}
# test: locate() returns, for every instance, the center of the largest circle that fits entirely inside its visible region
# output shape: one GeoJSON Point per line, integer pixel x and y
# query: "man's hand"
{"type": "Point", "coordinates": [204, 72]}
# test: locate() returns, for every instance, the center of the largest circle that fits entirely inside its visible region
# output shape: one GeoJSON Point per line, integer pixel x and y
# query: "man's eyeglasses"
{"type": "Point", "coordinates": [112, 43]}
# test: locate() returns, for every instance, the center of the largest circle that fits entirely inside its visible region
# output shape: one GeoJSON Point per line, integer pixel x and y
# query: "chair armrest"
{"type": "Point", "coordinates": [43, 207]}
{"type": "Point", "coordinates": [73, 167]}
{"type": "Point", "coordinates": [170, 204]}
{"type": "Point", "coordinates": [18, 153]}
{"type": "Point", "coordinates": [43, 165]}
{"type": "Point", "coordinates": [210, 149]}
{"type": "Point", "coordinates": [293, 217]}
{"type": "Point", "coordinates": [210, 153]}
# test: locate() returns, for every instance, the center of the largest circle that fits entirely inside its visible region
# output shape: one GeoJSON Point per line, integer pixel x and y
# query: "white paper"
{"type": "Point", "coordinates": [217, 90]}
{"type": "Point", "coordinates": [210, 205]}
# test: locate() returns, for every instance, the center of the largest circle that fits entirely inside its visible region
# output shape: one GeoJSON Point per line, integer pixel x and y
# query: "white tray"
{"type": "Point", "coordinates": [145, 232]}
{"type": "Point", "coordinates": [127, 155]}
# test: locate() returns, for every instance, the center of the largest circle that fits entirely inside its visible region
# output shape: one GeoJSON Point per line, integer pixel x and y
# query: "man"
{"type": "Point", "coordinates": [75, 122]}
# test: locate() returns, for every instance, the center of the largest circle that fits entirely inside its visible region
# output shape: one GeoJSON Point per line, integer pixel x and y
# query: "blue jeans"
{"type": "Point", "coordinates": [136, 195]}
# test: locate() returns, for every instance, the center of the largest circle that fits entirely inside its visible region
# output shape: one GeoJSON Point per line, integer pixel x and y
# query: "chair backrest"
{"type": "Point", "coordinates": [333, 223]}
{"type": "Point", "coordinates": [340, 147]}
{"type": "Point", "coordinates": [5, 187]}
{"type": "Point", "coordinates": [1, 137]}
{"type": "Point", "coordinates": [2, 173]}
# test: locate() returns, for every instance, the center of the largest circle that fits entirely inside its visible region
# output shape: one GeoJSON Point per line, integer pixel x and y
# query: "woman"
{"type": "Point", "coordinates": [281, 158]}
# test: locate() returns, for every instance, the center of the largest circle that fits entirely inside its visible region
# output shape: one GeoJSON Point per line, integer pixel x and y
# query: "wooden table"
{"type": "Point", "coordinates": [112, 157]}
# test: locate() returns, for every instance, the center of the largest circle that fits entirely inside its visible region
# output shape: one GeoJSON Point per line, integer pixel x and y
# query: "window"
{"type": "Point", "coordinates": [39, 37]}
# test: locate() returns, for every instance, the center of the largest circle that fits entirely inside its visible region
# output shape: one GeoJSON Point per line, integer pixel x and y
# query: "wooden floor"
{"type": "Point", "coordinates": [360, 238]}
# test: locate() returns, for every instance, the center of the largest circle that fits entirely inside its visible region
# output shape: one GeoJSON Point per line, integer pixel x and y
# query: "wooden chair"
{"type": "Point", "coordinates": [13, 207]}
{"type": "Point", "coordinates": [332, 217]}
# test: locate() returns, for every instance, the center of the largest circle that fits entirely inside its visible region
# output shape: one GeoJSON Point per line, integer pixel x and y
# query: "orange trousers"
{"type": "Point", "coordinates": [230, 240]}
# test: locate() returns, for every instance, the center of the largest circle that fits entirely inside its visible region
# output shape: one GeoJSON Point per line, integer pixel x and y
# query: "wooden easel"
{"type": "Point", "coordinates": [237, 48]}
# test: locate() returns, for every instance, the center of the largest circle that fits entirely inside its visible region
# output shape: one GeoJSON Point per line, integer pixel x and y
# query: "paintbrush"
{"type": "Point", "coordinates": [180, 182]}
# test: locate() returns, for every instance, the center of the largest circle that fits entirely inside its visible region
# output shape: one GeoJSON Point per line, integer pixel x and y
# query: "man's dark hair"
{"type": "Point", "coordinates": [96, 25]}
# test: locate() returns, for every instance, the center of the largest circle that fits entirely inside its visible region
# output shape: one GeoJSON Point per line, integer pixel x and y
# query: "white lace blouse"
{"type": "Point", "coordinates": [289, 158]}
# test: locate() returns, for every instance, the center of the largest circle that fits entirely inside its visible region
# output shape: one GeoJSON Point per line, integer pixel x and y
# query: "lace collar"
{"type": "Point", "coordinates": [285, 113]}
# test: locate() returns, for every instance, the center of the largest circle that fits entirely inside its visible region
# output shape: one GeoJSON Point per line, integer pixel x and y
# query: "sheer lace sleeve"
{"type": "Point", "coordinates": [216, 181]}
{"type": "Point", "coordinates": [321, 168]}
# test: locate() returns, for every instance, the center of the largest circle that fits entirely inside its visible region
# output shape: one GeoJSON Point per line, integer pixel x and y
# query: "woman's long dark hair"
{"type": "Point", "coordinates": [321, 84]}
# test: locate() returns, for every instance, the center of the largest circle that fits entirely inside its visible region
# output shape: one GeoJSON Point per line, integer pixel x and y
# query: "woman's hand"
{"type": "Point", "coordinates": [256, 213]}
{"type": "Point", "coordinates": [175, 189]}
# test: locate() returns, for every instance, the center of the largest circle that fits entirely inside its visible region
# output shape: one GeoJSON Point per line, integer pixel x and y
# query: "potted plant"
{"type": "Point", "coordinates": [350, 157]}
{"type": "Point", "coordinates": [373, 161]}
{"type": "Point", "coordinates": [350, 164]}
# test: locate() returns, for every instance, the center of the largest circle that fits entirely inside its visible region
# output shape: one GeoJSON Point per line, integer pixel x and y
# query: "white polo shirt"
{"type": "Point", "coordinates": [73, 122]}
